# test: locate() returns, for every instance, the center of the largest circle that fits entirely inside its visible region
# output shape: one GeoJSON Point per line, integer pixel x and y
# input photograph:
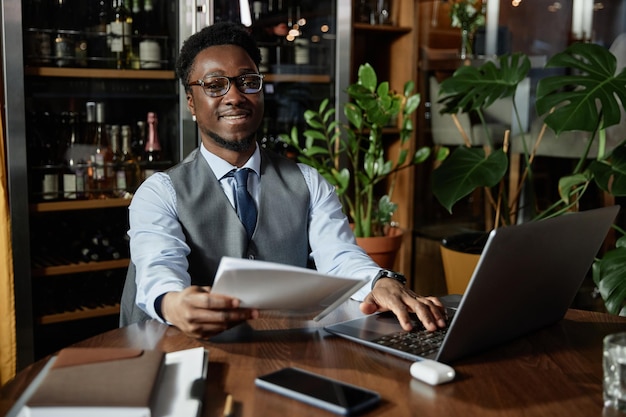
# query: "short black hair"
{"type": "Point", "coordinates": [220, 33]}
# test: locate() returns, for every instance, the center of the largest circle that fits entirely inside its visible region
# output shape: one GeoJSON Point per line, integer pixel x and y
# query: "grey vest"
{"type": "Point", "coordinates": [212, 228]}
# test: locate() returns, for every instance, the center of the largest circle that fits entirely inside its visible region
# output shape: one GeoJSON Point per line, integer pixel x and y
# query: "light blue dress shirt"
{"type": "Point", "coordinates": [159, 251]}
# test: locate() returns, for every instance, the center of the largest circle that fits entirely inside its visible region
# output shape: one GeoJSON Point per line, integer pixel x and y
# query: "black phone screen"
{"type": "Point", "coordinates": [336, 396]}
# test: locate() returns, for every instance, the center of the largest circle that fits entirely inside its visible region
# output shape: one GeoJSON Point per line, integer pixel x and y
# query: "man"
{"type": "Point", "coordinates": [184, 220]}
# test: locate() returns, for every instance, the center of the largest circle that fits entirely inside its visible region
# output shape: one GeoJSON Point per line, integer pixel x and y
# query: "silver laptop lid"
{"type": "Point", "coordinates": [526, 279]}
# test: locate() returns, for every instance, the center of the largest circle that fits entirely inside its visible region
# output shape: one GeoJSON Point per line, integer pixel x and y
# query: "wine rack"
{"type": "Point", "coordinates": [68, 284]}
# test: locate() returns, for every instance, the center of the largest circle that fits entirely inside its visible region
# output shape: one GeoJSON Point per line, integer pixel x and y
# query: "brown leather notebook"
{"type": "Point", "coordinates": [98, 382]}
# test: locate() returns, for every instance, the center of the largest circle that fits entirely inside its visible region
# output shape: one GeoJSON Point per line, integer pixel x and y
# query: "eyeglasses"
{"type": "Point", "coordinates": [218, 86]}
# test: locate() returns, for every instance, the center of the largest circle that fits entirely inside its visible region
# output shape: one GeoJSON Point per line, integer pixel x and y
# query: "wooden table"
{"type": "Point", "coordinates": [554, 372]}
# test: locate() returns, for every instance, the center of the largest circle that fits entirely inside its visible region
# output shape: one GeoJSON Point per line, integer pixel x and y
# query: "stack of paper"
{"type": "Point", "coordinates": [274, 286]}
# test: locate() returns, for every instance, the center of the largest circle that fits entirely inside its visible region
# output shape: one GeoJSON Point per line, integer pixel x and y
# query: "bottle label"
{"type": "Point", "coordinates": [70, 186]}
{"type": "Point", "coordinates": [109, 170]}
{"type": "Point", "coordinates": [99, 173]}
{"type": "Point", "coordinates": [127, 32]}
{"type": "Point", "coordinates": [50, 186]}
{"type": "Point", "coordinates": [63, 51]}
{"type": "Point", "coordinates": [302, 51]}
{"type": "Point", "coordinates": [150, 54]}
{"type": "Point", "coordinates": [120, 180]}
{"type": "Point", "coordinates": [116, 36]}
{"type": "Point", "coordinates": [265, 59]}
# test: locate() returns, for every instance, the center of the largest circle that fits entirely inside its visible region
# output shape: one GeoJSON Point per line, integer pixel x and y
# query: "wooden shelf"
{"type": "Point", "coordinates": [100, 73]}
{"type": "Point", "coordinates": [83, 313]}
{"type": "Point", "coordinates": [391, 131]}
{"type": "Point", "coordinates": [79, 205]}
{"type": "Point", "coordinates": [382, 29]}
{"type": "Point", "coordinates": [78, 267]}
{"type": "Point", "coordinates": [297, 78]}
{"type": "Point", "coordinates": [155, 74]}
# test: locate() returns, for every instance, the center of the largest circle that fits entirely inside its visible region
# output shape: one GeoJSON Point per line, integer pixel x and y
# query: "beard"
{"type": "Point", "coordinates": [237, 146]}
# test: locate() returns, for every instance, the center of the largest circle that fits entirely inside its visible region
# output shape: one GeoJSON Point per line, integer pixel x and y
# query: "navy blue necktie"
{"type": "Point", "coordinates": [246, 208]}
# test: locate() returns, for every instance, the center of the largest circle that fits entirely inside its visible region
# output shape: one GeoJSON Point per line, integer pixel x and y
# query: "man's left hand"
{"type": "Point", "coordinates": [391, 295]}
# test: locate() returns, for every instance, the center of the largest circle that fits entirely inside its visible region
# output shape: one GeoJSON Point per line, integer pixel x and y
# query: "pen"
{"type": "Point", "coordinates": [228, 406]}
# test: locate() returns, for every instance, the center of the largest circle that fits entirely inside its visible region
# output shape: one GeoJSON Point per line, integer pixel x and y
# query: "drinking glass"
{"type": "Point", "coordinates": [614, 365]}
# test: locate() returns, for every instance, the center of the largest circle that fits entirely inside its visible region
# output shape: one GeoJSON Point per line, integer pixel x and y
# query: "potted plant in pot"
{"type": "Point", "coordinates": [590, 97]}
{"type": "Point", "coordinates": [352, 157]}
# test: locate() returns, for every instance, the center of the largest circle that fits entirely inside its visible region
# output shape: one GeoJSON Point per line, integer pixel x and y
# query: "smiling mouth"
{"type": "Point", "coordinates": [234, 114]}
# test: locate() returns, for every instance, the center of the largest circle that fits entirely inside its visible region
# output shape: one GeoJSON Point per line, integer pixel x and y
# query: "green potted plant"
{"type": "Point", "coordinates": [589, 97]}
{"type": "Point", "coordinates": [352, 157]}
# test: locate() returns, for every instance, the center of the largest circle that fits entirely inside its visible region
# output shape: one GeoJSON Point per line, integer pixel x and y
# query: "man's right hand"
{"type": "Point", "coordinates": [200, 314]}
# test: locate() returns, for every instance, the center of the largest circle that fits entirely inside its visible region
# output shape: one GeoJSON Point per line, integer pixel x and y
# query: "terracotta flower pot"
{"type": "Point", "coordinates": [383, 249]}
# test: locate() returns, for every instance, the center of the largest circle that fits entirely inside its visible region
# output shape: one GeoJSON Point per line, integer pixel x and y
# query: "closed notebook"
{"type": "Point", "coordinates": [98, 382]}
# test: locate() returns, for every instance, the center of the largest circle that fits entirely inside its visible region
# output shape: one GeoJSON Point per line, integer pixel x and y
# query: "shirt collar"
{"type": "Point", "coordinates": [220, 167]}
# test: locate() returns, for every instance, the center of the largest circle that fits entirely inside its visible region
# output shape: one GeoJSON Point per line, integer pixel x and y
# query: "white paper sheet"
{"type": "Point", "coordinates": [274, 286]}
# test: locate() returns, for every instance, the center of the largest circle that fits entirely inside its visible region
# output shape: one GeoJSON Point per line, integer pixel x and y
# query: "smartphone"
{"type": "Point", "coordinates": [320, 391]}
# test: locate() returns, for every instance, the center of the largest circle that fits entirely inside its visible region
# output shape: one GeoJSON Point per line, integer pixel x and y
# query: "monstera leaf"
{"type": "Point", "coordinates": [608, 275]}
{"type": "Point", "coordinates": [465, 170]}
{"type": "Point", "coordinates": [610, 174]}
{"type": "Point", "coordinates": [592, 94]}
{"type": "Point", "coordinates": [476, 88]}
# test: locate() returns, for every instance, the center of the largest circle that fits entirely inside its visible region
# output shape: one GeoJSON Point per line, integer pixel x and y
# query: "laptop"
{"type": "Point", "coordinates": [526, 279]}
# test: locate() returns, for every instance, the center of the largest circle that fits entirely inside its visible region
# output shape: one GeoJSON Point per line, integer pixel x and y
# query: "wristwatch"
{"type": "Point", "coordinates": [385, 273]}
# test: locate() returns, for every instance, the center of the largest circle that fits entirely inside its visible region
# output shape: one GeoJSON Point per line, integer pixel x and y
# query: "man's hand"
{"type": "Point", "coordinates": [200, 314]}
{"type": "Point", "coordinates": [389, 294]}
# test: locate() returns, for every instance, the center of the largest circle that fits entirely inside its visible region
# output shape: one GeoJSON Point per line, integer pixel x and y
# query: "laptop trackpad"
{"type": "Point", "coordinates": [369, 327]}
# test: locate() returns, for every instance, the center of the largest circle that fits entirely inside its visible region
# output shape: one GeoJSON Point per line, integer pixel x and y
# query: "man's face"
{"type": "Point", "coordinates": [229, 121]}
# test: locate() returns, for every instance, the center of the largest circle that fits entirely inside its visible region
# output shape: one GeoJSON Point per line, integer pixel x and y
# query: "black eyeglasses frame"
{"type": "Point", "coordinates": [231, 80]}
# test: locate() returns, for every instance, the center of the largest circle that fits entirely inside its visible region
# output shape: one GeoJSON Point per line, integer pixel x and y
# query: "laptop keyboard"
{"type": "Point", "coordinates": [418, 342]}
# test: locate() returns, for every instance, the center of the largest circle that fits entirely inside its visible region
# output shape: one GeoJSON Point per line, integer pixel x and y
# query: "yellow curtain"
{"type": "Point", "coordinates": [8, 348]}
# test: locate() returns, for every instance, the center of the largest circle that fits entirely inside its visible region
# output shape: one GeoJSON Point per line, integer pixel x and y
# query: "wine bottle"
{"type": "Point", "coordinates": [138, 144]}
{"type": "Point", "coordinates": [153, 146]}
{"type": "Point", "coordinates": [102, 157]}
{"type": "Point", "coordinates": [301, 56]}
{"type": "Point", "coordinates": [49, 163]}
{"type": "Point", "coordinates": [97, 47]}
{"type": "Point", "coordinates": [137, 13]}
{"type": "Point", "coordinates": [257, 10]}
{"type": "Point", "coordinates": [149, 46]}
{"type": "Point", "coordinates": [91, 247]}
{"type": "Point", "coordinates": [80, 11]}
{"type": "Point", "coordinates": [38, 27]}
{"type": "Point", "coordinates": [120, 35]}
{"type": "Point", "coordinates": [64, 50]}
{"type": "Point", "coordinates": [130, 164]}
{"type": "Point", "coordinates": [89, 133]}
{"type": "Point", "coordinates": [73, 172]}
{"type": "Point", "coordinates": [117, 162]}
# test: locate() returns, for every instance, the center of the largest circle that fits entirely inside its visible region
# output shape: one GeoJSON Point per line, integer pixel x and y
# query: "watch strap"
{"type": "Point", "coordinates": [386, 273]}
